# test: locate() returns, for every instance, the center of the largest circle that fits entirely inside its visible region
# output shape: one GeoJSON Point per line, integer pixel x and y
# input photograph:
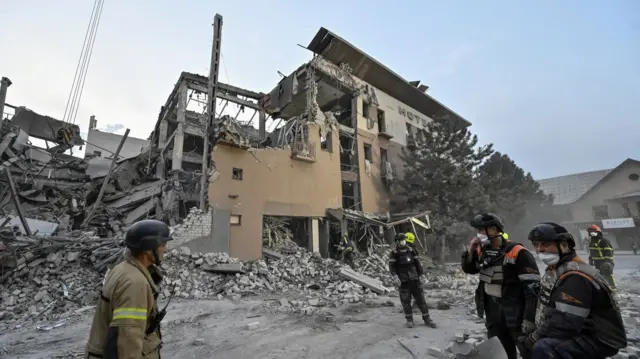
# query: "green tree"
{"type": "Point", "coordinates": [439, 176]}
{"type": "Point", "coordinates": [513, 194]}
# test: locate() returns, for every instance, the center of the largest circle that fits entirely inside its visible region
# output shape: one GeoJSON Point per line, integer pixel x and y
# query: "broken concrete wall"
{"type": "Point", "coordinates": [196, 225]}
{"type": "Point", "coordinates": [110, 141]}
{"type": "Point", "coordinates": [273, 183]}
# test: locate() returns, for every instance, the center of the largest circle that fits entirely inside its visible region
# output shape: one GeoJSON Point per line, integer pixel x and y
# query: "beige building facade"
{"type": "Point", "coordinates": [329, 167]}
{"type": "Point", "coordinates": [608, 198]}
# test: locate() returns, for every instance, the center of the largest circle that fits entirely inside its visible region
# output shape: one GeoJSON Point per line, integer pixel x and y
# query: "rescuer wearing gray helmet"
{"type": "Point", "coordinates": [577, 315]}
{"type": "Point", "coordinates": [127, 317]}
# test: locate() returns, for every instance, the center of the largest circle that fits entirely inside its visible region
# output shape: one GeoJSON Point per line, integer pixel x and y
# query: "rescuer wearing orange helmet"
{"type": "Point", "coordinates": [601, 254]}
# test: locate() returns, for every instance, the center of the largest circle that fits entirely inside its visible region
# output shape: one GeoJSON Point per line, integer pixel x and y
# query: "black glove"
{"type": "Point", "coordinates": [527, 341]}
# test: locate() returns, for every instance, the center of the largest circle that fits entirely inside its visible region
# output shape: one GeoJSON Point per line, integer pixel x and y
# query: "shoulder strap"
{"type": "Point", "coordinates": [512, 250]}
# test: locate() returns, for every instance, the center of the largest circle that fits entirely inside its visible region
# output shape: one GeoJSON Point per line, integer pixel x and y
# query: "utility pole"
{"type": "Point", "coordinates": [4, 85]}
{"type": "Point", "coordinates": [212, 126]}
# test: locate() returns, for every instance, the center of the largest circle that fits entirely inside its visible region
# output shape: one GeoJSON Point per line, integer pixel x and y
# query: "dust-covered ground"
{"type": "Point", "coordinates": [196, 329]}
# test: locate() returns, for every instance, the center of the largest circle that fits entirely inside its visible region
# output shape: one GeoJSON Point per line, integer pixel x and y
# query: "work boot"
{"type": "Point", "coordinates": [409, 324]}
{"type": "Point", "coordinates": [428, 322]}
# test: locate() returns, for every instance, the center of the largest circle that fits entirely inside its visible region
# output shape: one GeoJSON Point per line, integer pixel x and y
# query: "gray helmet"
{"type": "Point", "coordinates": [486, 220]}
{"type": "Point", "coordinates": [147, 235]}
{"type": "Point", "coordinates": [400, 237]}
{"type": "Point", "coordinates": [551, 232]}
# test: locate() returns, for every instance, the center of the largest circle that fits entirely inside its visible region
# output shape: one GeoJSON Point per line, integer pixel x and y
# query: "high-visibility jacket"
{"type": "Point", "coordinates": [124, 312]}
{"type": "Point", "coordinates": [600, 249]}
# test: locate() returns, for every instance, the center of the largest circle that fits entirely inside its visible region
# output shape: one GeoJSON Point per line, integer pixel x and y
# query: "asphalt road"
{"type": "Point", "coordinates": [625, 262]}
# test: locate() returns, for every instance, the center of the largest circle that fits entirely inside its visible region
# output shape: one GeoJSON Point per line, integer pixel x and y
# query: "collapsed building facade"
{"type": "Point", "coordinates": [329, 169]}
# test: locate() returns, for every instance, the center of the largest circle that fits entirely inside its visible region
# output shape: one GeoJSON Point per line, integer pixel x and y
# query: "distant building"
{"type": "Point", "coordinates": [104, 144]}
{"type": "Point", "coordinates": [608, 198]}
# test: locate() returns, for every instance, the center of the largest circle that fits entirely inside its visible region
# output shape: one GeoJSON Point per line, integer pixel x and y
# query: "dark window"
{"type": "Point", "coordinates": [367, 152]}
{"type": "Point", "coordinates": [365, 109]}
{"type": "Point", "coordinates": [382, 124]}
{"type": "Point", "coordinates": [383, 161]}
{"type": "Point", "coordinates": [326, 143]}
{"type": "Point", "coordinates": [626, 210]}
{"type": "Point", "coordinates": [634, 177]}
{"type": "Point", "coordinates": [97, 153]}
{"type": "Point", "coordinates": [600, 212]}
{"type": "Point", "coordinates": [237, 174]}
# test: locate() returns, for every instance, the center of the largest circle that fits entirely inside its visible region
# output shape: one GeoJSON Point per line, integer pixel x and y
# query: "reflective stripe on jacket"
{"type": "Point", "coordinates": [128, 301]}
{"type": "Point", "coordinates": [600, 249]}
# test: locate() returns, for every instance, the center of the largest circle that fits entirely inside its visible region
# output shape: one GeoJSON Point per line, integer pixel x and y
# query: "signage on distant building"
{"type": "Point", "coordinates": [618, 223]}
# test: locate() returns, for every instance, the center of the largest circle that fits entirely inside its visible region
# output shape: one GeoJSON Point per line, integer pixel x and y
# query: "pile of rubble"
{"type": "Point", "coordinates": [67, 277]}
{"type": "Point", "coordinates": [58, 193]}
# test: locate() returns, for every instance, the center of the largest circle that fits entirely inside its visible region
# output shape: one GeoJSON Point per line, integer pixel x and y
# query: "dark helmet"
{"type": "Point", "coordinates": [486, 220]}
{"type": "Point", "coordinates": [401, 237]}
{"type": "Point", "coordinates": [551, 232]}
{"type": "Point", "coordinates": [147, 235]}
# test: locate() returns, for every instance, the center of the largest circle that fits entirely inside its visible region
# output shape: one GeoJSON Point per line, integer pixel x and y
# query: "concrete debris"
{"type": "Point", "coordinates": [276, 232]}
{"type": "Point", "coordinates": [62, 190]}
{"type": "Point", "coordinates": [58, 277]}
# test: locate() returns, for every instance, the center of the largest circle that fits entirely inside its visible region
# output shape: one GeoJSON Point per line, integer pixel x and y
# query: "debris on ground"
{"type": "Point", "coordinates": [58, 276]}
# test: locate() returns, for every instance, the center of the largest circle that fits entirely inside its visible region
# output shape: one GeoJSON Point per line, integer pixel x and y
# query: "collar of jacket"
{"type": "Point", "coordinates": [145, 271]}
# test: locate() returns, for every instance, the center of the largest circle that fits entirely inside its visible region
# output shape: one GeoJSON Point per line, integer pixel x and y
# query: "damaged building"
{"type": "Point", "coordinates": [328, 170]}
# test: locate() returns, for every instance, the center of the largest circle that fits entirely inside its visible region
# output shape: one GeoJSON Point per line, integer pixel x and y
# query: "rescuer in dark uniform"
{"type": "Point", "coordinates": [509, 283]}
{"type": "Point", "coordinates": [404, 262]}
{"type": "Point", "coordinates": [577, 315]}
{"type": "Point", "coordinates": [346, 246]}
{"type": "Point", "coordinates": [601, 254]}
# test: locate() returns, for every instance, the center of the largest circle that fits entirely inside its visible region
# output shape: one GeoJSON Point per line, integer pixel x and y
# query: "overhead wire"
{"type": "Point", "coordinates": [77, 87]}
{"type": "Point", "coordinates": [88, 59]}
{"type": "Point", "coordinates": [84, 44]}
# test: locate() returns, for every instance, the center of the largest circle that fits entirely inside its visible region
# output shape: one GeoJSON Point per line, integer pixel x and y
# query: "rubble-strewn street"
{"type": "Point", "coordinates": [282, 308]}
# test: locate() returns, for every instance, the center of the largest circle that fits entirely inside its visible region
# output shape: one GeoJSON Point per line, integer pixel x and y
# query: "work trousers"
{"type": "Point", "coordinates": [575, 348]}
{"type": "Point", "coordinates": [409, 289]}
{"type": "Point", "coordinates": [348, 259]}
{"type": "Point", "coordinates": [606, 273]}
{"type": "Point", "coordinates": [497, 327]}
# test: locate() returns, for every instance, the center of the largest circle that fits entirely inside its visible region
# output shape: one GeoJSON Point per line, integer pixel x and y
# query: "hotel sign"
{"type": "Point", "coordinates": [412, 116]}
{"type": "Point", "coordinates": [618, 223]}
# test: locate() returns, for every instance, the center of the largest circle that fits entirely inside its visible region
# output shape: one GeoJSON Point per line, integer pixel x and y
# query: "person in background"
{"type": "Point", "coordinates": [509, 283]}
{"type": "Point", "coordinates": [634, 248]}
{"type": "Point", "coordinates": [411, 240]}
{"type": "Point", "coordinates": [346, 247]}
{"type": "Point", "coordinates": [404, 263]}
{"type": "Point", "coordinates": [601, 254]}
{"type": "Point", "coordinates": [577, 315]}
{"type": "Point", "coordinates": [126, 324]}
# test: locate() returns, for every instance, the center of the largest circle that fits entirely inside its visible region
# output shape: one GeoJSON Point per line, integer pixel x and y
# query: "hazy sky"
{"type": "Point", "coordinates": [554, 84]}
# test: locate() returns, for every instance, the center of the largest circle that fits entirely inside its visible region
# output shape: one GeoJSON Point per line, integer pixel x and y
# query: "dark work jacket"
{"type": "Point", "coordinates": [404, 262]}
{"type": "Point", "coordinates": [520, 281]}
{"type": "Point", "coordinates": [575, 300]}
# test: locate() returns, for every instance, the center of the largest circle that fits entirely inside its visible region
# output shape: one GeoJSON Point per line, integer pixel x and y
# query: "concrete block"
{"type": "Point", "coordinates": [253, 325]}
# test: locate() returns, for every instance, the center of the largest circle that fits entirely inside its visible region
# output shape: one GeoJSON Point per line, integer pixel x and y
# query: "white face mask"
{"type": "Point", "coordinates": [483, 238]}
{"type": "Point", "coordinates": [593, 234]}
{"type": "Point", "coordinates": [549, 258]}
{"type": "Point", "coordinates": [402, 243]}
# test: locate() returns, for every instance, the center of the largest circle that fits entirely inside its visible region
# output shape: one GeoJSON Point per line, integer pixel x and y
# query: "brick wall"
{"type": "Point", "coordinates": [196, 225]}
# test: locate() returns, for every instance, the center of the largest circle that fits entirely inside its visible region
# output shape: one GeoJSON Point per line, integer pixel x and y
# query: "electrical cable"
{"type": "Point", "coordinates": [84, 44]}
{"type": "Point", "coordinates": [88, 59]}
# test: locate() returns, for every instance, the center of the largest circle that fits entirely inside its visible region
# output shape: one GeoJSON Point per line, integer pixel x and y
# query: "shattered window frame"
{"type": "Point", "coordinates": [326, 143]}
{"type": "Point", "coordinates": [365, 110]}
{"type": "Point", "coordinates": [368, 152]}
{"type": "Point", "coordinates": [382, 121]}
{"type": "Point", "coordinates": [237, 173]}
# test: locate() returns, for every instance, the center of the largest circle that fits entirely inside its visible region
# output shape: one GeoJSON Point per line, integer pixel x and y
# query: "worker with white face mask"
{"type": "Point", "coordinates": [577, 315]}
{"type": "Point", "coordinates": [508, 286]}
